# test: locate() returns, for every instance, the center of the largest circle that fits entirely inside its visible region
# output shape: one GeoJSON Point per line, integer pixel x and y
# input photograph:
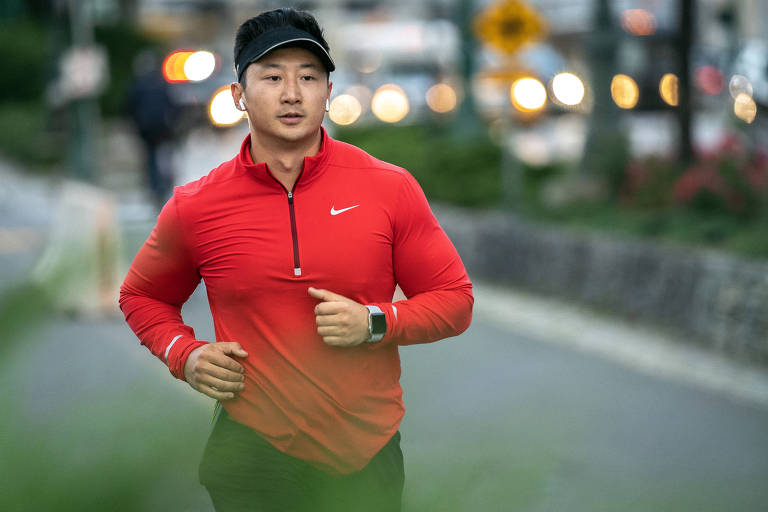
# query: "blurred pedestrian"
{"type": "Point", "coordinates": [301, 240]}
{"type": "Point", "coordinates": [155, 115]}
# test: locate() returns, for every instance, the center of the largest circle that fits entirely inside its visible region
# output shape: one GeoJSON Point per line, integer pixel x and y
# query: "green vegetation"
{"type": "Point", "coordinates": [24, 121]}
{"type": "Point", "coordinates": [25, 134]}
{"type": "Point", "coordinates": [466, 173]}
{"type": "Point", "coordinates": [720, 201]}
{"type": "Point", "coordinates": [122, 42]}
{"type": "Point", "coordinates": [32, 131]}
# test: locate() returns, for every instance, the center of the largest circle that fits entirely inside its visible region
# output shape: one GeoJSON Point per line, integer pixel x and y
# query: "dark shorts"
{"type": "Point", "coordinates": [243, 472]}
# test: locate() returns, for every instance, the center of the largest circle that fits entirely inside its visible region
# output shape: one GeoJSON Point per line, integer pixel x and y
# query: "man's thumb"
{"type": "Point", "coordinates": [318, 293]}
{"type": "Point", "coordinates": [326, 295]}
{"type": "Point", "coordinates": [234, 348]}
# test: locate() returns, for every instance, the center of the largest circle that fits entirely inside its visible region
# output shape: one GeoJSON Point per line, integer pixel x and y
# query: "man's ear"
{"type": "Point", "coordinates": [237, 95]}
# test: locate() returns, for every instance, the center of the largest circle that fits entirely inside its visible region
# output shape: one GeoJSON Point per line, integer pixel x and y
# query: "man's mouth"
{"type": "Point", "coordinates": [291, 115]}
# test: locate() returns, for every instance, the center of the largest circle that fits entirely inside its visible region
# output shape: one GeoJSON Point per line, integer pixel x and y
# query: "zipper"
{"type": "Point", "coordinates": [296, 264]}
{"type": "Point", "coordinates": [294, 236]}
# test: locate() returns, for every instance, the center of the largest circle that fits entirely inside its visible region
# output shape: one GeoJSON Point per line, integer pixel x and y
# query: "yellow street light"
{"type": "Point", "coordinates": [568, 89]}
{"type": "Point", "coordinates": [390, 104]}
{"type": "Point", "coordinates": [668, 89]}
{"type": "Point", "coordinates": [528, 94]}
{"type": "Point", "coordinates": [221, 108]}
{"type": "Point", "coordinates": [441, 98]}
{"type": "Point", "coordinates": [624, 91]}
{"type": "Point", "coordinates": [745, 108]}
{"type": "Point", "coordinates": [345, 109]}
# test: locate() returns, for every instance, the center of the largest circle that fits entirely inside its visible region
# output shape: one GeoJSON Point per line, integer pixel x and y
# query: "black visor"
{"type": "Point", "coordinates": [278, 38]}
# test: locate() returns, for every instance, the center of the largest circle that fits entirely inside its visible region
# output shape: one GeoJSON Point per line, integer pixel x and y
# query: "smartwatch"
{"type": "Point", "coordinates": [377, 324]}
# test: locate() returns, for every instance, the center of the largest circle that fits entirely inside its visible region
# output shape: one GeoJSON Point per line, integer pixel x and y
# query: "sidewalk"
{"type": "Point", "coordinates": [636, 346]}
{"type": "Point", "coordinates": [26, 212]}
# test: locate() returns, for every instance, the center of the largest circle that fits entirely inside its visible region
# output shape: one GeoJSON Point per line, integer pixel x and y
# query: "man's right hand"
{"type": "Point", "coordinates": [212, 370]}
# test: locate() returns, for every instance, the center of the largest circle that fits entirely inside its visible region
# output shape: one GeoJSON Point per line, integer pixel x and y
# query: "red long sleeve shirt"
{"type": "Point", "coordinates": [353, 225]}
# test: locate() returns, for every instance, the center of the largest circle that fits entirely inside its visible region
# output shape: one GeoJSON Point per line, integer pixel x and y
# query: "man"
{"type": "Point", "coordinates": [301, 240]}
{"type": "Point", "coordinates": [154, 113]}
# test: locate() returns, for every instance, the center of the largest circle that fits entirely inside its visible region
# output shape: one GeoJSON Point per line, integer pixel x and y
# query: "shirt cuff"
{"type": "Point", "coordinates": [178, 351]}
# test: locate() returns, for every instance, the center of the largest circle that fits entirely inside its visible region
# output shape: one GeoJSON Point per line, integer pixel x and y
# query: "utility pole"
{"type": "Point", "coordinates": [603, 126]}
{"type": "Point", "coordinates": [466, 123]}
{"type": "Point", "coordinates": [84, 109]}
{"type": "Point", "coordinates": [685, 41]}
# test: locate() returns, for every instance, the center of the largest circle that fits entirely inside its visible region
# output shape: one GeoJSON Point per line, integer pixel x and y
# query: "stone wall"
{"type": "Point", "coordinates": [713, 299]}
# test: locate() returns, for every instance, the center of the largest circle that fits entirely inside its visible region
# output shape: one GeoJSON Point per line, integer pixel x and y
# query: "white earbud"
{"type": "Point", "coordinates": [327, 104]}
{"type": "Point", "coordinates": [242, 104]}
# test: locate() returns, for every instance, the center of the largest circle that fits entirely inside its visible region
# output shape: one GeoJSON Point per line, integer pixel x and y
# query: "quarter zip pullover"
{"type": "Point", "coordinates": [354, 225]}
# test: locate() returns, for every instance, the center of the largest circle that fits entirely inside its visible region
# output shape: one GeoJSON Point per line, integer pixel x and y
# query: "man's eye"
{"type": "Point", "coordinates": [273, 78]}
{"type": "Point", "coordinates": [308, 77]}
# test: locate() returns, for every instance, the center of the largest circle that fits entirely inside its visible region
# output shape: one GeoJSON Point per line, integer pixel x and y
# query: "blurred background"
{"type": "Point", "coordinates": [601, 166]}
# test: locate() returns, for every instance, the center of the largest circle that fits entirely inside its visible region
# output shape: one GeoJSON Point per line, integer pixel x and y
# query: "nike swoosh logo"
{"type": "Point", "coordinates": [334, 211]}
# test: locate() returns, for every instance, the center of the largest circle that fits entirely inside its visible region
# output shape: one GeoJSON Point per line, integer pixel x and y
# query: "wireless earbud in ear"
{"type": "Point", "coordinates": [327, 104]}
{"type": "Point", "coordinates": [242, 104]}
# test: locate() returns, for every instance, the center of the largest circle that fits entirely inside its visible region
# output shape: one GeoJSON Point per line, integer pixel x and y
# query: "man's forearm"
{"type": "Point", "coordinates": [160, 328]}
{"type": "Point", "coordinates": [428, 316]}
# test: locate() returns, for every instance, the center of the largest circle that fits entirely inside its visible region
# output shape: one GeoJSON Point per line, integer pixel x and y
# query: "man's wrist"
{"type": "Point", "coordinates": [377, 324]}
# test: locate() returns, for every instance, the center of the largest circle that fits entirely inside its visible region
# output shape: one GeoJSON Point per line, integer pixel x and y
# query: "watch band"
{"type": "Point", "coordinates": [377, 324]}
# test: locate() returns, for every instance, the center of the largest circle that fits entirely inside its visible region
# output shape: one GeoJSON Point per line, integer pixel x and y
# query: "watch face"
{"type": "Point", "coordinates": [378, 323]}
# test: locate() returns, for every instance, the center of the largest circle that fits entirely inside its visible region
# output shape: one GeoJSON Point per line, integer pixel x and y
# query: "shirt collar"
{"type": "Point", "coordinates": [313, 165]}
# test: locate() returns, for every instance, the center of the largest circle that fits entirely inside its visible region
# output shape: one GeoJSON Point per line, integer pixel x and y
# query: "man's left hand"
{"type": "Point", "coordinates": [341, 322]}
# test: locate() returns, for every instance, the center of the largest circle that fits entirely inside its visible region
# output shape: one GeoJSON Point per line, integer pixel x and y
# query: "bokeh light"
{"type": "Point", "coordinates": [221, 108]}
{"type": "Point", "coordinates": [624, 91]}
{"type": "Point", "coordinates": [345, 109]}
{"type": "Point", "coordinates": [528, 94]}
{"type": "Point", "coordinates": [367, 62]}
{"type": "Point", "coordinates": [568, 89]}
{"type": "Point", "coordinates": [745, 108]}
{"type": "Point", "coordinates": [738, 85]}
{"type": "Point", "coordinates": [669, 89]}
{"type": "Point", "coordinates": [390, 103]}
{"type": "Point", "coordinates": [441, 98]}
{"type": "Point", "coordinates": [639, 22]}
{"type": "Point", "coordinates": [709, 80]}
{"type": "Point", "coordinates": [199, 66]}
{"type": "Point", "coordinates": [173, 66]}
{"type": "Point", "coordinates": [363, 95]}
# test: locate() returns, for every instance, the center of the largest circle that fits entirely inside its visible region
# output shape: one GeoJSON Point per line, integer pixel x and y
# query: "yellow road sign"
{"type": "Point", "coordinates": [508, 25]}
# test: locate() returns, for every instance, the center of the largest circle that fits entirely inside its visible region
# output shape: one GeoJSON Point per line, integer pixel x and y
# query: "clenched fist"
{"type": "Point", "coordinates": [213, 370]}
{"type": "Point", "coordinates": [341, 322]}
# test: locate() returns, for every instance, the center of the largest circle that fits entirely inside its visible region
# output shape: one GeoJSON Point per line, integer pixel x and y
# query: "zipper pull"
{"type": "Point", "coordinates": [290, 197]}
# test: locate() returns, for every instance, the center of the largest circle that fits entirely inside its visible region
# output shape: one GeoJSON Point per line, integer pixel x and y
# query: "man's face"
{"type": "Point", "coordinates": [285, 95]}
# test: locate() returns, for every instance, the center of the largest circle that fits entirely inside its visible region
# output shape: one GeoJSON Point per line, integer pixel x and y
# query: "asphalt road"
{"type": "Point", "coordinates": [495, 421]}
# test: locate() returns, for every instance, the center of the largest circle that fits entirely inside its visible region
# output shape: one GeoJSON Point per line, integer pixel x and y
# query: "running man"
{"type": "Point", "coordinates": [301, 240]}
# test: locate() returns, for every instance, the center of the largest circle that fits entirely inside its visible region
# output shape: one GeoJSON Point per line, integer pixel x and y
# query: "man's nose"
{"type": "Point", "coordinates": [291, 92]}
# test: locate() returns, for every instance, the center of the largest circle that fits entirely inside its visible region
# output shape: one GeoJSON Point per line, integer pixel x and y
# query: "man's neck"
{"type": "Point", "coordinates": [284, 159]}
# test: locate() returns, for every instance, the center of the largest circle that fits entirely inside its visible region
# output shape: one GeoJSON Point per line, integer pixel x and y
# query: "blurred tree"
{"type": "Point", "coordinates": [22, 52]}
{"type": "Point", "coordinates": [122, 41]}
{"type": "Point", "coordinates": [128, 10]}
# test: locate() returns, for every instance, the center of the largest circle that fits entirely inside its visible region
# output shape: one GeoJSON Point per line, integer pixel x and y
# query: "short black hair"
{"type": "Point", "coordinates": [284, 17]}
